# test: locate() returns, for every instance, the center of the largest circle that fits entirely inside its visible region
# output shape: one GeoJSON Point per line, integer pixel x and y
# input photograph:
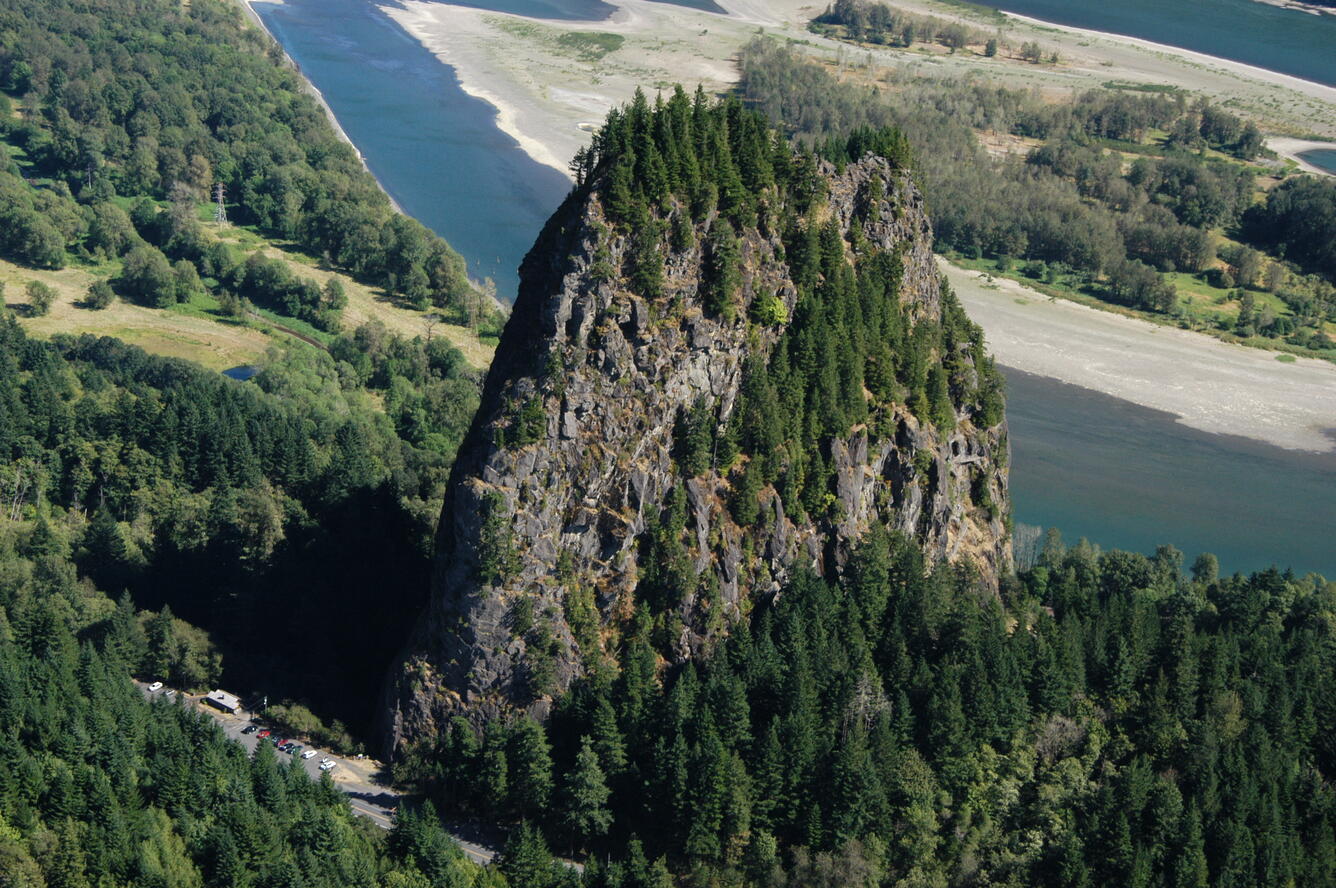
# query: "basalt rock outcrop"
{"type": "Point", "coordinates": [576, 452]}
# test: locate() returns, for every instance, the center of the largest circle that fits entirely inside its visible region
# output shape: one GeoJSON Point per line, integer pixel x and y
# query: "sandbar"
{"type": "Point", "coordinates": [548, 95]}
{"type": "Point", "coordinates": [1227, 66]}
{"type": "Point", "coordinates": [1209, 385]}
{"type": "Point", "coordinates": [1294, 148]}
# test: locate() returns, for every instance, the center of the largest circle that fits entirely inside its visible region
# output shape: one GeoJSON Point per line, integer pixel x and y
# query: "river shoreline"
{"type": "Point", "coordinates": [1217, 388]}
{"type": "Point", "coordinates": [314, 91]}
{"type": "Point", "coordinates": [1308, 87]}
{"type": "Point", "coordinates": [1297, 6]}
{"type": "Point", "coordinates": [1294, 149]}
{"type": "Point", "coordinates": [549, 101]}
{"type": "Point", "coordinates": [1211, 386]}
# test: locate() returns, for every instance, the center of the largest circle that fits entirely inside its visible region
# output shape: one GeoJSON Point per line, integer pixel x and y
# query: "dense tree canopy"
{"type": "Point", "coordinates": [1108, 721]}
{"type": "Point", "coordinates": [100, 787]}
{"type": "Point", "coordinates": [1299, 219]}
{"type": "Point", "coordinates": [1072, 205]}
{"type": "Point", "coordinates": [221, 499]}
{"type": "Point", "coordinates": [162, 99]}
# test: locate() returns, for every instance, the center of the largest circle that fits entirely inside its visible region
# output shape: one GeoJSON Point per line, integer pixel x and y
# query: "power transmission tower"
{"type": "Point", "coordinates": [220, 209]}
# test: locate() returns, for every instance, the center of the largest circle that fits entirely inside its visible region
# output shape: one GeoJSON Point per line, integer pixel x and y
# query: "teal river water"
{"type": "Point", "coordinates": [1133, 478]}
{"type": "Point", "coordinates": [1286, 40]}
{"type": "Point", "coordinates": [1322, 157]}
{"type": "Point", "coordinates": [1090, 465]}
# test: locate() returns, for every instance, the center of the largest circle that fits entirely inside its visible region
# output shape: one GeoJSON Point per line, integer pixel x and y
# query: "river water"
{"type": "Point", "coordinates": [1286, 40]}
{"type": "Point", "coordinates": [1133, 478]}
{"type": "Point", "coordinates": [1093, 466]}
{"type": "Point", "coordinates": [570, 10]}
{"type": "Point", "coordinates": [1324, 158]}
{"type": "Point", "coordinates": [433, 147]}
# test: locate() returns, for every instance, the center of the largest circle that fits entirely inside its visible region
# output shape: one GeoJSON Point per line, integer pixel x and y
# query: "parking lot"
{"type": "Point", "coordinates": [359, 779]}
{"type": "Point", "coordinates": [354, 777]}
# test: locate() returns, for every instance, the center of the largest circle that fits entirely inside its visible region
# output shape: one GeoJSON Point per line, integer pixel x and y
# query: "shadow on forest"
{"type": "Point", "coordinates": [321, 620]}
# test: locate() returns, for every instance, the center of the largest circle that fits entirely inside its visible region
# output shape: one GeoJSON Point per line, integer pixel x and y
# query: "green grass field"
{"type": "Point", "coordinates": [199, 329]}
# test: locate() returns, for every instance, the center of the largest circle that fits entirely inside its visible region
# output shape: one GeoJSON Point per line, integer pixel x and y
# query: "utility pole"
{"type": "Point", "coordinates": [220, 208]}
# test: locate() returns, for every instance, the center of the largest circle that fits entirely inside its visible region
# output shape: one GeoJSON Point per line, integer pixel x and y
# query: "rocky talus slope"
{"type": "Point", "coordinates": [575, 454]}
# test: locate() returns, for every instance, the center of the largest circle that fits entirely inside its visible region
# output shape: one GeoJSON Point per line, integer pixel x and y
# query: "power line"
{"type": "Point", "coordinates": [220, 208]}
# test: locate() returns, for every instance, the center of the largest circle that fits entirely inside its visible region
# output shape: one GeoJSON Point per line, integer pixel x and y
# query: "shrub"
{"type": "Point", "coordinates": [100, 295]}
{"type": "Point", "coordinates": [40, 297]}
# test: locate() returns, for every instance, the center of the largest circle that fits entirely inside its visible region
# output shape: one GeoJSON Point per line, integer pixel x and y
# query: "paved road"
{"type": "Point", "coordinates": [356, 778]}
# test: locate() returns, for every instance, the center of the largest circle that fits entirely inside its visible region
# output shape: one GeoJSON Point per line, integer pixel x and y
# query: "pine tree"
{"type": "Point", "coordinates": [1190, 869]}
{"type": "Point", "coordinates": [618, 195]}
{"type": "Point", "coordinates": [529, 768]}
{"type": "Point", "coordinates": [494, 772]}
{"type": "Point", "coordinates": [108, 554]}
{"type": "Point", "coordinates": [694, 439]}
{"type": "Point", "coordinates": [607, 739]}
{"type": "Point", "coordinates": [708, 796]}
{"type": "Point", "coordinates": [526, 860]}
{"type": "Point", "coordinates": [43, 540]}
{"type": "Point", "coordinates": [646, 261]}
{"type": "Point", "coordinates": [858, 805]}
{"type": "Point", "coordinates": [584, 795]}
{"type": "Point", "coordinates": [125, 638]}
{"type": "Point", "coordinates": [723, 276]}
{"type": "Point", "coordinates": [65, 866]}
{"type": "Point", "coordinates": [162, 644]}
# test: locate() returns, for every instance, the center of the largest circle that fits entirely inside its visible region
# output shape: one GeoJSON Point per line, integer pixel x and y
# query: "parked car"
{"type": "Point", "coordinates": [293, 748]}
{"type": "Point", "coordinates": [264, 733]}
{"type": "Point", "coordinates": [250, 729]}
{"type": "Point", "coordinates": [310, 753]}
{"type": "Point", "coordinates": [327, 765]}
{"type": "Point", "coordinates": [155, 687]}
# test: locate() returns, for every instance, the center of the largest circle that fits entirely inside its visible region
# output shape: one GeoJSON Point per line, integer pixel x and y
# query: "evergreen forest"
{"type": "Point", "coordinates": [115, 110]}
{"type": "Point", "coordinates": [1109, 718]}
{"type": "Point", "coordinates": [100, 787]}
{"type": "Point", "coordinates": [263, 511]}
{"type": "Point", "coordinates": [1103, 718]}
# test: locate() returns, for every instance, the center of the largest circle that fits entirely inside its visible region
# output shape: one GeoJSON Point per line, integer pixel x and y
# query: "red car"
{"type": "Point", "coordinates": [264, 733]}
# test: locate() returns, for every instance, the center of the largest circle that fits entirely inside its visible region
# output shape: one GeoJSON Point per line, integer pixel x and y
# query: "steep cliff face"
{"type": "Point", "coordinates": [580, 463]}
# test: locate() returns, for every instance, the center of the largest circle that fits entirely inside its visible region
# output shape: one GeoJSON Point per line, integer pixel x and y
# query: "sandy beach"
{"type": "Point", "coordinates": [1310, 8]}
{"type": "Point", "coordinates": [549, 96]}
{"type": "Point", "coordinates": [1210, 385]}
{"type": "Point", "coordinates": [1292, 148]}
{"type": "Point", "coordinates": [1250, 73]}
{"type": "Point", "coordinates": [1279, 103]}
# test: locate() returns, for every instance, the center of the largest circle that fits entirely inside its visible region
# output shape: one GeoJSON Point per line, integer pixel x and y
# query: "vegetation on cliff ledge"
{"type": "Point", "coordinates": [1101, 719]}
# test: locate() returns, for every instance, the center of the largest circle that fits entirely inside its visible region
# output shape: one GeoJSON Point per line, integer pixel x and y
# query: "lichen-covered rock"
{"type": "Point", "coordinates": [571, 458]}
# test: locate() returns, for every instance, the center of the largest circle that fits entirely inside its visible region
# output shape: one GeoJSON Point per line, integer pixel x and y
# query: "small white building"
{"type": "Point", "coordinates": [223, 700]}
